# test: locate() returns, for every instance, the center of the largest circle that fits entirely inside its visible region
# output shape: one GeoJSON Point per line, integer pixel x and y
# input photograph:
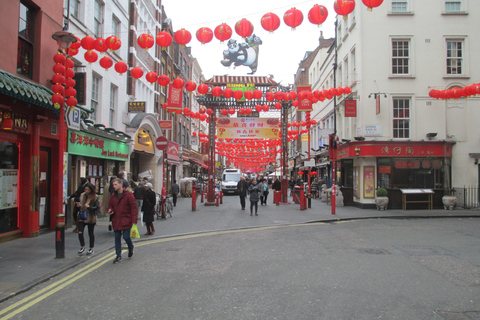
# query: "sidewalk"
{"type": "Point", "coordinates": [28, 262]}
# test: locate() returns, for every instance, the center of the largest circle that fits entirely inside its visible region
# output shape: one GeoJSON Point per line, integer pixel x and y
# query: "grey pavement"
{"type": "Point", "coordinates": [28, 262]}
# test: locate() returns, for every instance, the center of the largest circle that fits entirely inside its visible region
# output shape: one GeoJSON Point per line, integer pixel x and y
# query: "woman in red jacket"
{"type": "Point", "coordinates": [123, 208]}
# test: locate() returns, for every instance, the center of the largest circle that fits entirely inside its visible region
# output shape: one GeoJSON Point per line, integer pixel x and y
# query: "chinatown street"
{"type": "Point", "coordinates": [222, 263]}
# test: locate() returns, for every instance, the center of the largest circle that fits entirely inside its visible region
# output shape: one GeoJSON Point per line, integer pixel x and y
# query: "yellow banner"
{"type": "Point", "coordinates": [304, 137]}
{"type": "Point", "coordinates": [248, 128]}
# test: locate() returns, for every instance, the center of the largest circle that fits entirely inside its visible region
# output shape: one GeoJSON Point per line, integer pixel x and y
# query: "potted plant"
{"type": "Point", "coordinates": [381, 200]}
{"type": "Point", "coordinates": [449, 200]}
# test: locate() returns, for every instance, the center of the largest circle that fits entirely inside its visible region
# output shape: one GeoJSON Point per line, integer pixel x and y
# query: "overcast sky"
{"type": "Point", "coordinates": [281, 51]}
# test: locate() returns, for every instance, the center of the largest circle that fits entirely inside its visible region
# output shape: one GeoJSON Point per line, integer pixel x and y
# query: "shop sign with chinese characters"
{"type": "Point", "coordinates": [248, 128]}
{"type": "Point", "coordinates": [393, 149]}
{"type": "Point", "coordinates": [86, 144]}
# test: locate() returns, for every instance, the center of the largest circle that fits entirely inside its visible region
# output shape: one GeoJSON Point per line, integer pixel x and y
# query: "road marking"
{"type": "Point", "coordinates": [61, 284]}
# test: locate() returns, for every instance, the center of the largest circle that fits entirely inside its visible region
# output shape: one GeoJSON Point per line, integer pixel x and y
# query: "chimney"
{"type": "Point", "coordinates": [321, 38]}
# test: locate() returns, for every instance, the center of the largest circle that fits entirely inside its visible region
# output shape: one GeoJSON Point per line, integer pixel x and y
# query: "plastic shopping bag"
{"type": "Point", "coordinates": [134, 234]}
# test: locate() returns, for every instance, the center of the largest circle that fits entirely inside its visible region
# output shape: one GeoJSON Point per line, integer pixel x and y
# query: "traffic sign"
{"type": "Point", "coordinates": [73, 118]}
{"type": "Point", "coordinates": [161, 143]}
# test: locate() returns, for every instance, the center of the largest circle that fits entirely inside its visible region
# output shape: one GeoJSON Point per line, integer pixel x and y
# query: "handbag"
{"type": "Point", "coordinates": [82, 215]}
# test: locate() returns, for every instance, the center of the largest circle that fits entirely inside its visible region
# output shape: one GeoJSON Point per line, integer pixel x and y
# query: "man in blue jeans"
{"type": "Point", "coordinates": [123, 208]}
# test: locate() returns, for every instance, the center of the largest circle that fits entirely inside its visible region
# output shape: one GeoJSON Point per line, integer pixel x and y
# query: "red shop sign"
{"type": "Point", "coordinates": [384, 169]}
{"type": "Point", "coordinates": [350, 108]}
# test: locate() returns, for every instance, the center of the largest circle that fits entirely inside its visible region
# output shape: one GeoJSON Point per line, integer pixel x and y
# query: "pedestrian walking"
{"type": "Point", "coordinates": [174, 190]}
{"type": "Point", "coordinates": [148, 208]}
{"type": "Point", "coordinates": [76, 199]}
{"type": "Point", "coordinates": [291, 184]}
{"type": "Point", "coordinates": [242, 187]}
{"type": "Point", "coordinates": [139, 193]}
{"type": "Point", "coordinates": [89, 206]}
{"type": "Point", "coordinates": [277, 185]}
{"type": "Point", "coordinates": [254, 196]}
{"type": "Point", "coordinates": [261, 188]}
{"type": "Point", "coordinates": [265, 192]}
{"type": "Point", "coordinates": [123, 208]}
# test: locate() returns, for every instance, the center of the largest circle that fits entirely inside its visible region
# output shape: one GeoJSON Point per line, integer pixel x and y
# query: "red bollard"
{"type": "Point", "coordinates": [217, 196]}
{"type": "Point", "coordinates": [276, 197]}
{"type": "Point", "coordinates": [302, 200]}
{"type": "Point", "coordinates": [221, 197]}
{"type": "Point", "coordinates": [194, 197]}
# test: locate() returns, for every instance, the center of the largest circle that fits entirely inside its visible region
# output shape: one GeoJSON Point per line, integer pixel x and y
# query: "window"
{"type": "Point", "coordinates": [339, 31]}
{"type": "Point", "coordinates": [347, 76]}
{"type": "Point", "coordinates": [116, 27]}
{"type": "Point", "coordinates": [95, 95]}
{"type": "Point", "coordinates": [25, 41]}
{"type": "Point", "coordinates": [453, 5]}
{"type": "Point", "coordinates": [354, 66]}
{"type": "Point", "coordinates": [75, 8]}
{"type": "Point", "coordinates": [400, 56]}
{"type": "Point", "coordinates": [401, 117]}
{"type": "Point", "coordinates": [113, 104]}
{"type": "Point", "coordinates": [399, 6]}
{"type": "Point", "coordinates": [98, 18]}
{"type": "Point", "coordinates": [454, 56]}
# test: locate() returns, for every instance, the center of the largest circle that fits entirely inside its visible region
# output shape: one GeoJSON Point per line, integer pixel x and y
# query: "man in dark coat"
{"type": "Point", "coordinates": [174, 191]}
{"type": "Point", "coordinates": [123, 209]}
{"type": "Point", "coordinates": [242, 187]}
{"type": "Point", "coordinates": [277, 185]}
{"type": "Point", "coordinates": [254, 196]}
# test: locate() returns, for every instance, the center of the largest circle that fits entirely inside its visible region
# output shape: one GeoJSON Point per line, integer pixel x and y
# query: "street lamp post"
{"type": "Point", "coordinates": [64, 40]}
{"type": "Point", "coordinates": [334, 153]}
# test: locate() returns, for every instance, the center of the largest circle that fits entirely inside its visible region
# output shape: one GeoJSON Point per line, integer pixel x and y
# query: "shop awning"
{"type": "Point", "coordinates": [202, 164]}
{"type": "Point", "coordinates": [27, 91]}
{"type": "Point", "coordinates": [323, 163]}
{"type": "Point", "coordinates": [174, 162]}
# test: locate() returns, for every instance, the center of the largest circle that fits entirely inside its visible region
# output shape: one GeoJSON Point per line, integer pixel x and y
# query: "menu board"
{"type": "Point", "coordinates": [8, 188]}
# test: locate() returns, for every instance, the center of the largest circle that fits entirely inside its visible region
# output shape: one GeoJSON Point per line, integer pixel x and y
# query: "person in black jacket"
{"type": "Point", "coordinates": [76, 198]}
{"type": "Point", "coordinates": [148, 208]}
{"type": "Point", "coordinates": [277, 185]}
{"type": "Point", "coordinates": [254, 196]}
{"type": "Point", "coordinates": [242, 187]}
{"type": "Point", "coordinates": [89, 204]}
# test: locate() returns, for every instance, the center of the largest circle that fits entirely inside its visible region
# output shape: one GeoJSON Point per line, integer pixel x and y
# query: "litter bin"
{"type": "Point", "coordinates": [296, 191]}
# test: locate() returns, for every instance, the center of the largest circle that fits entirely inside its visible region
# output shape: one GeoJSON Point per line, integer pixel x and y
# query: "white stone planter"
{"type": "Point", "coordinates": [449, 202]}
{"type": "Point", "coordinates": [382, 203]}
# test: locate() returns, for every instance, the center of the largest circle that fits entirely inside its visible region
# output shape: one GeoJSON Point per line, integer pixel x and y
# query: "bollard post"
{"type": "Point", "coordinates": [302, 198]}
{"type": "Point", "coordinates": [194, 197]}
{"type": "Point", "coordinates": [221, 197]}
{"type": "Point", "coordinates": [201, 197]}
{"type": "Point", "coordinates": [60, 237]}
{"type": "Point", "coordinates": [309, 200]}
{"type": "Point", "coordinates": [217, 198]}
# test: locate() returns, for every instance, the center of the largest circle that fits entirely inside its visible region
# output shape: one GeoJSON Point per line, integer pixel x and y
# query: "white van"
{"type": "Point", "coordinates": [230, 178]}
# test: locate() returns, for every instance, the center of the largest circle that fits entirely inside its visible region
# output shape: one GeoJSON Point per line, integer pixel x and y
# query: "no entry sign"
{"type": "Point", "coordinates": [161, 143]}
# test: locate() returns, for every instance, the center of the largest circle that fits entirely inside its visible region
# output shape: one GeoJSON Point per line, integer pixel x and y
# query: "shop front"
{"type": "Point", "coordinates": [95, 157]}
{"type": "Point", "coordinates": [172, 160]}
{"type": "Point", "coordinates": [363, 167]}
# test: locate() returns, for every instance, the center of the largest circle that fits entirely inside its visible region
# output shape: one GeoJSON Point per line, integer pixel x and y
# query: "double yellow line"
{"type": "Point", "coordinates": [44, 293]}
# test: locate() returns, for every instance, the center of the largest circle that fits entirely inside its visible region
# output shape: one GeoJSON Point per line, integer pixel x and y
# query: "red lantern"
{"type": "Point", "coordinates": [248, 95]}
{"type": "Point", "coordinates": [164, 39]}
{"type": "Point", "coordinates": [224, 112]}
{"type": "Point", "coordinates": [59, 68]}
{"type": "Point", "coordinates": [190, 86]}
{"type": "Point", "coordinates": [91, 56]}
{"type": "Point", "coordinates": [58, 89]}
{"type": "Point", "coordinates": [182, 36]}
{"type": "Point", "coordinates": [71, 102]}
{"type": "Point", "coordinates": [58, 78]}
{"type": "Point", "coordinates": [209, 111]}
{"type": "Point", "coordinates": [279, 96]}
{"type": "Point", "coordinates": [231, 111]}
{"type": "Point", "coordinates": [266, 108]}
{"type": "Point", "coordinates": [100, 45]}
{"type": "Point", "coordinates": [151, 77]}
{"type": "Point", "coordinates": [244, 28]}
{"type": "Point", "coordinates": [178, 83]}
{"type": "Point", "coordinates": [248, 111]}
{"type": "Point", "coordinates": [88, 43]}
{"type": "Point", "coordinates": [163, 80]}
{"type": "Point", "coordinates": [278, 106]}
{"type": "Point", "coordinates": [339, 91]}
{"type": "Point", "coordinates": [57, 100]}
{"type": "Point", "coordinates": [257, 94]}
{"type": "Point", "coordinates": [347, 90]}
{"type": "Point", "coordinates": [77, 44]}
{"type": "Point", "coordinates": [136, 73]}
{"type": "Point", "coordinates": [237, 94]}
{"type": "Point", "coordinates": [318, 14]}
{"type": "Point", "coordinates": [72, 52]}
{"type": "Point", "coordinates": [204, 35]}
{"type": "Point", "coordinates": [269, 96]}
{"type": "Point", "coordinates": [106, 62]}
{"type": "Point", "coordinates": [241, 111]}
{"type": "Point", "coordinates": [295, 103]}
{"type": "Point", "coordinates": [145, 41]}
{"type": "Point", "coordinates": [270, 22]}
{"type": "Point", "coordinates": [228, 93]}
{"type": "Point", "coordinates": [59, 58]}
{"type": "Point", "coordinates": [217, 92]}
{"type": "Point", "coordinates": [293, 18]}
{"type": "Point", "coordinates": [113, 43]}
{"type": "Point", "coordinates": [258, 108]}
{"type": "Point", "coordinates": [223, 32]}
{"type": "Point", "coordinates": [372, 4]}
{"type": "Point", "coordinates": [69, 63]}
{"type": "Point", "coordinates": [202, 88]}
{"type": "Point", "coordinates": [186, 111]}
{"type": "Point", "coordinates": [344, 7]}
{"type": "Point", "coordinates": [70, 92]}
{"type": "Point", "coordinates": [201, 110]}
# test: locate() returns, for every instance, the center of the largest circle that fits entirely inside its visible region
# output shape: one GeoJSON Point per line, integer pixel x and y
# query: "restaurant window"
{"type": "Point", "coordinates": [401, 117]}
{"type": "Point", "coordinates": [347, 173]}
{"type": "Point", "coordinates": [402, 173]}
{"type": "Point", "coordinates": [9, 153]}
{"type": "Point", "coordinates": [25, 41]}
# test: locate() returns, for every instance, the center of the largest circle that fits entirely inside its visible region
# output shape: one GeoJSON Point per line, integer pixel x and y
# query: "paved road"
{"type": "Point", "coordinates": [269, 267]}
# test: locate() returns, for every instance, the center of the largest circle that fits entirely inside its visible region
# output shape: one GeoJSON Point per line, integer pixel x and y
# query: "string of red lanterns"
{"type": "Point", "coordinates": [456, 93]}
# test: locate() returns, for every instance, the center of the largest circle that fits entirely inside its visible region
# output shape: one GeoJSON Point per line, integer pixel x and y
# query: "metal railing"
{"type": "Point", "coordinates": [468, 197]}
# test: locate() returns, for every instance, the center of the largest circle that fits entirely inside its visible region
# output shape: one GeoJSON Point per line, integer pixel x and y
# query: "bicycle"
{"type": "Point", "coordinates": [164, 207]}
